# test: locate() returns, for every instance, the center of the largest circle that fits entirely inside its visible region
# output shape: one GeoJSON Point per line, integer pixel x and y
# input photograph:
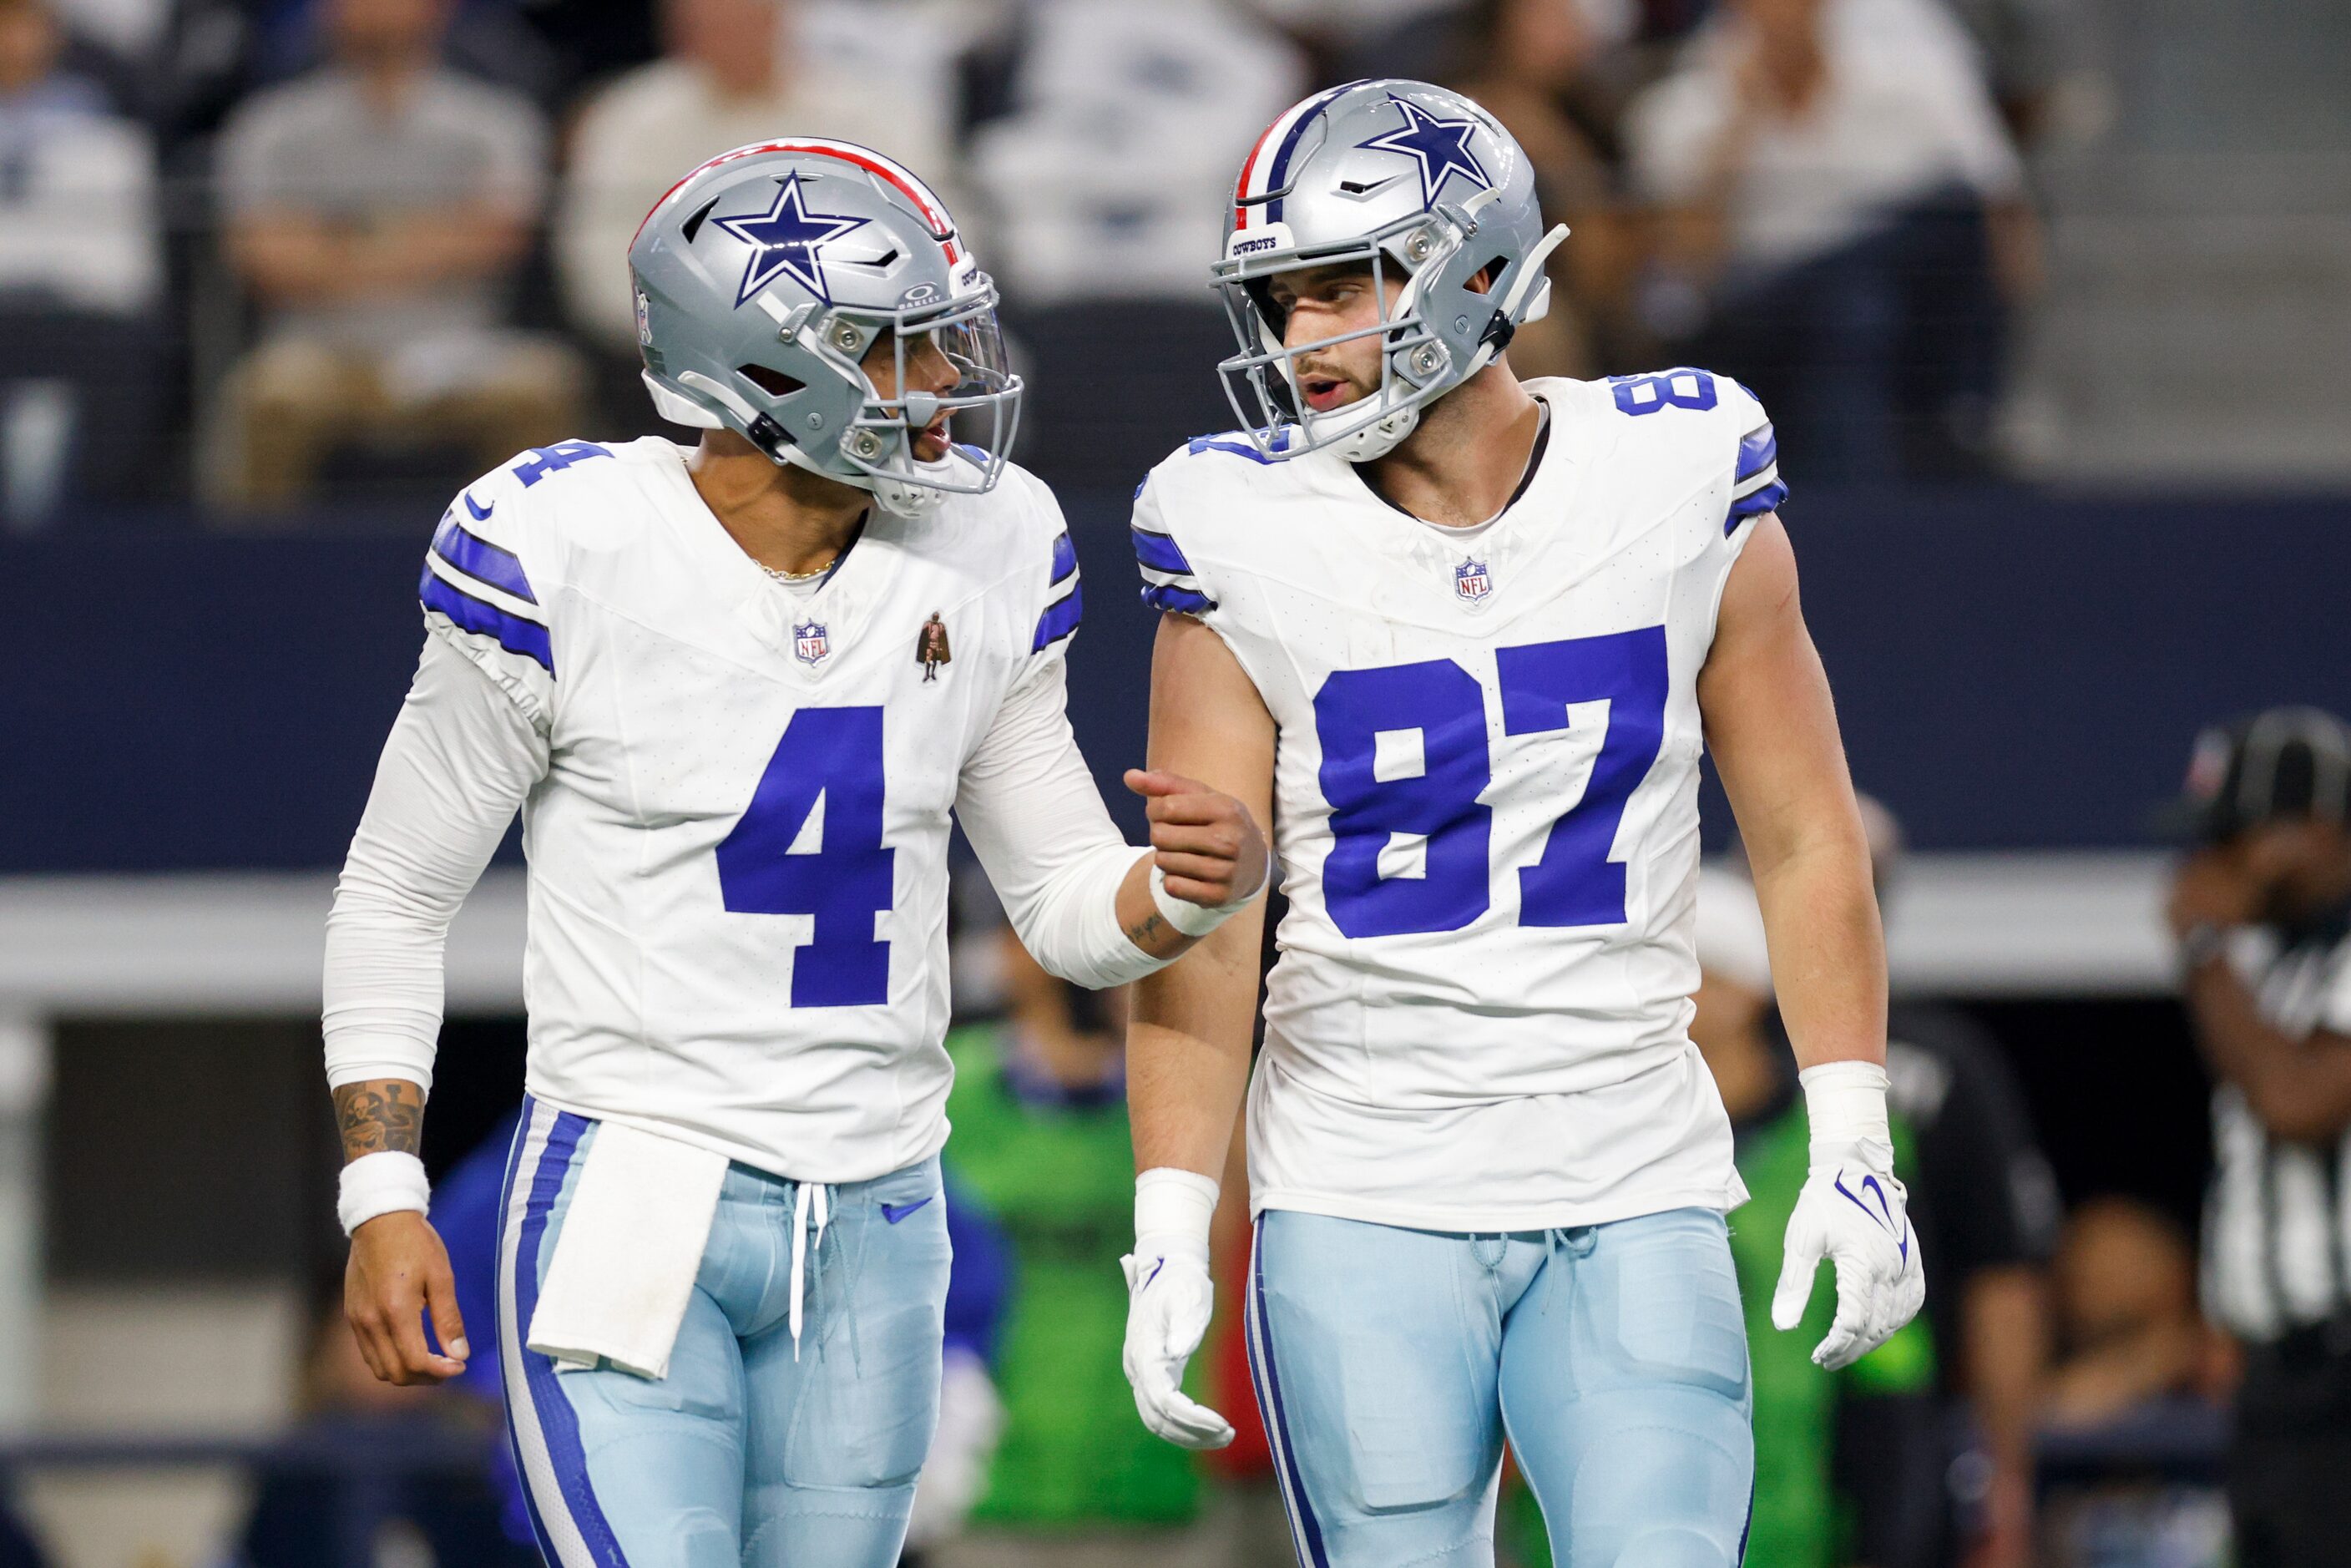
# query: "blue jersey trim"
{"type": "Point", "coordinates": [1060, 618]}
{"type": "Point", "coordinates": [1766, 499]}
{"type": "Point", "coordinates": [514, 633]}
{"type": "Point", "coordinates": [1160, 552]}
{"type": "Point", "coordinates": [1238, 448]}
{"type": "Point", "coordinates": [1758, 450]}
{"type": "Point", "coordinates": [1178, 601]}
{"type": "Point", "coordinates": [478, 558]}
{"type": "Point", "coordinates": [1065, 557]}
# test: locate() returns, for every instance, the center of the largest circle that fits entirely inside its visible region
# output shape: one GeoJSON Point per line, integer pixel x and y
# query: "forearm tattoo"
{"type": "Point", "coordinates": [1148, 933]}
{"type": "Point", "coordinates": [381, 1115]}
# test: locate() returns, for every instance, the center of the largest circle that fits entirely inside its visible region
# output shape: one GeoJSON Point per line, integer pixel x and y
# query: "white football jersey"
{"type": "Point", "coordinates": [1485, 806]}
{"type": "Point", "coordinates": [738, 851]}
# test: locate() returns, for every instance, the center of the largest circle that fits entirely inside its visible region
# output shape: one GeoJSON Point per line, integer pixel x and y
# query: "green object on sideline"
{"type": "Point", "coordinates": [1060, 1181]}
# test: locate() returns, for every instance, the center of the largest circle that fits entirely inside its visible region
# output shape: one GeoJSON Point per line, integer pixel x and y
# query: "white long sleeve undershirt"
{"type": "Point", "coordinates": [459, 761]}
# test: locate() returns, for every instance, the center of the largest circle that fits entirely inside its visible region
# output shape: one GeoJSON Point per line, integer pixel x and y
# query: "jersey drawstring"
{"type": "Point", "coordinates": [813, 1203]}
{"type": "Point", "coordinates": [1561, 1244]}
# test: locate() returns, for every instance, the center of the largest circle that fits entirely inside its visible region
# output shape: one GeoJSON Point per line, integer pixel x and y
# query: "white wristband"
{"type": "Point", "coordinates": [1195, 919]}
{"type": "Point", "coordinates": [1845, 1104]}
{"type": "Point", "coordinates": [1172, 1211]}
{"type": "Point", "coordinates": [381, 1183]}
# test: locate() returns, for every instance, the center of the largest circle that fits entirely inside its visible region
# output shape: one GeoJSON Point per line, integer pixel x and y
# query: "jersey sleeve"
{"type": "Point", "coordinates": [484, 593]}
{"type": "Point", "coordinates": [1065, 600]}
{"type": "Point", "coordinates": [1170, 581]}
{"type": "Point", "coordinates": [1036, 819]}
{"type": "Point", "coordinates": [458, 763]}
{"type": "Point", "coordinates": [1756, 487]}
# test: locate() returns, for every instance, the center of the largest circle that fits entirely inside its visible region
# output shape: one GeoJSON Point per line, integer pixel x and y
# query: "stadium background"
{"type": "Point", "coordinates": [2120, 519]}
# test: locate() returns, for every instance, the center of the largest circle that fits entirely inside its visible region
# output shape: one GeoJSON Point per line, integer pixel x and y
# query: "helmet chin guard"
{"type": "Point", "coordinates": [766, 280]}
{"type": "Point", "coordinates": [1405, 179]}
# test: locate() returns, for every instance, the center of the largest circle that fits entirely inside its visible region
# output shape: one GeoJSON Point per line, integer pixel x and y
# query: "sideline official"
{"type": "Point", "coordinates": [2262, 909]}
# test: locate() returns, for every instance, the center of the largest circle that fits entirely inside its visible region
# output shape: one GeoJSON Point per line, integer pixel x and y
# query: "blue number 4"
{"type": "Point", "coordinates": [1574, 882]}
{"type": "Point", "coordinates": [833, 755]}
{"type": "Point", "coordinates": [555, 459]}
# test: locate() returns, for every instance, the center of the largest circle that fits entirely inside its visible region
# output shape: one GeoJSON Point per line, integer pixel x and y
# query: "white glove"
{"type": "Point", "coordinates": [1169, 1301]}
{"type": "Point", "coordinates": [1852, 1212]}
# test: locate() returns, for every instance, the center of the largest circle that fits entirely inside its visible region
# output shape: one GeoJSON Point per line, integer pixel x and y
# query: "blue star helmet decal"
{"type": "Point", "coordinates": [1441, 147]}
{"type": "Point", "coordinates": [784, 239]}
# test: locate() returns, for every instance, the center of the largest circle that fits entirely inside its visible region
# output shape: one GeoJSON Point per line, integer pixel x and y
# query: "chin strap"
{"type": "Point", "coordinates": [897, 496]}
{"type": "Point", "coordinates": [1505, 323]}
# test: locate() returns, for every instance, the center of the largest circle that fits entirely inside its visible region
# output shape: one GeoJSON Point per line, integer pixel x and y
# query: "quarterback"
{"type": "Point", "coordinates": [736, 691]}
{"type": "Point", "coordinates": [1463, 639]}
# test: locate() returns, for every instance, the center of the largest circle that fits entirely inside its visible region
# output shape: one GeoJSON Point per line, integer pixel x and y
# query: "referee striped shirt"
{"type": "Point", "coordinates": [2277, 1223]}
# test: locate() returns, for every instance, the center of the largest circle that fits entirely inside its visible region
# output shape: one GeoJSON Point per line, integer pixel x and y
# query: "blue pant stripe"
{"type": "Point", "coordinates": [1302, 1507]}
{"type": "Point", "coordinates": [1264, 1410]}
{"type": "Point", "coordinates": [514, 1430]}
{"type": "Point", "coordinates": [559, 1424]}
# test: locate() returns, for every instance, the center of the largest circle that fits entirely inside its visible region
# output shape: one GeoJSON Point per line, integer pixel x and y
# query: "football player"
{"type": "Point", "coordinates": [737, 691]}
{"type": "Point", "coordinates": [1464, 638]}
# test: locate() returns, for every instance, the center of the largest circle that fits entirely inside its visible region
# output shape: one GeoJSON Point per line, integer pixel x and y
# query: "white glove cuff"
{"type": "Point", "coordinates": [380, 1184]}
{"type": "Point", "coordinates": [1172, 1211]}
{"type": "Point", "coordinates": [1195, 919]}
{"type": "Point", "coordinates": [1845, 1104]}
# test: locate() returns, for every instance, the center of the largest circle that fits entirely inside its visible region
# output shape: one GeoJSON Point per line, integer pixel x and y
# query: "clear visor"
{"type": "Point", "coordinates": [1261, 381]}
{"type": "Point", "coordinates": [945, 406]}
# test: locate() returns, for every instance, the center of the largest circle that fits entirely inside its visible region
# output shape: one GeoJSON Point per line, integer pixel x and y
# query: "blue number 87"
{"type": "Point", "coordinates": [1574, 882]}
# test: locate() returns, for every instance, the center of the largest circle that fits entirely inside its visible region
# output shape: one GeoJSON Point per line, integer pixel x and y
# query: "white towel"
{"type": "Point", "coordinates": [631, 1244]}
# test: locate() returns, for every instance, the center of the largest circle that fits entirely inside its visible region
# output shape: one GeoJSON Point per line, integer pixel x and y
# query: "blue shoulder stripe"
{"type": "Point", "coordinates": [480, 560]}
{"type": "Point", "coordinates": [1758, 450]}
{"type": "Point", "coordinates": [514, 633]}
{"type": "Point", "coordinates": [1160, 552]}
{"type": "Point", "coordinates": [1065, 557]}
{"type": "Point", "coordinates": [1060, 618]}
{"type": "Point", "coordinates": [1238, 448]}
{"type": "Point", "coordinates": [1178, 601]}
{"type": "Point", "coordinates": [1765, 499]}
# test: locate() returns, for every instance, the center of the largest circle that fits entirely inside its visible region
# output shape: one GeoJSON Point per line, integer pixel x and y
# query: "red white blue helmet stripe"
{"type": "Point", "coordinates": [1268, 165]}
{"type": "Point", "coordinates": [888, 169]}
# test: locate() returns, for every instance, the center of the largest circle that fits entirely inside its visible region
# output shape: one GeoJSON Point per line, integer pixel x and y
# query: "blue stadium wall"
{"type": "Point", "coordinates": [2014, 669]}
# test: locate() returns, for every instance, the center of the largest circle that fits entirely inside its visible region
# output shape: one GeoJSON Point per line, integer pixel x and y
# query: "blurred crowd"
{"type": "Point", "coordinates": [284, 253]}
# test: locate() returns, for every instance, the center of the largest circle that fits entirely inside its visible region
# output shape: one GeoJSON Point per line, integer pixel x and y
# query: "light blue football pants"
{"type": "Point", "coordinates": [745, 1456]}
{"type": "Point", "coordinates": [1389, 1365]}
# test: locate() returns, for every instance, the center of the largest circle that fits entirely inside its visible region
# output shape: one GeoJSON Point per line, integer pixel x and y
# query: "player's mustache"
{"type": "Point", "coordinates": [1314, 369]}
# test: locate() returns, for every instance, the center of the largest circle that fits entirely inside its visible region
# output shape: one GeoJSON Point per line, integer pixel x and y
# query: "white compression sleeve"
{"type": "Point", "coordinates": [1030, 809]}
{"type": "Point", "coordinates": [460, 759]}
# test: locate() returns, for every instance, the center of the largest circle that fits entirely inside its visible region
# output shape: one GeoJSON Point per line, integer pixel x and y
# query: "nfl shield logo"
{"type": "Point", "coordinates": [1470, 581]}
{"type": "Point", "coordinates": [810, 644]}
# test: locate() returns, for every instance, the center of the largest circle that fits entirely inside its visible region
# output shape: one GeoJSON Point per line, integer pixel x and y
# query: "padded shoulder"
{"type": "Point", "coordinates": [491, 565]}
{"type": "Point", "coordinates": [1723, 423]}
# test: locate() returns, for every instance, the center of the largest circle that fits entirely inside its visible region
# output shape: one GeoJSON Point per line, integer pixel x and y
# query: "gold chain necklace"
{"type": "Point", "coordinates": [793, 577]}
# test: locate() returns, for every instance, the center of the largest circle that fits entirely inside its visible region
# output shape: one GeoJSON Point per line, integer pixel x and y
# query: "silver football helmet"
{"type": "Point", "coordinates": [1415, 182]}
{"type": "Point", "coordinates": [763, 279]}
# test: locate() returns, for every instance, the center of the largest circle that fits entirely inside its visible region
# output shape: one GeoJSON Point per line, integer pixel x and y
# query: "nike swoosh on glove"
{"type": "Point", "coordinates": [1859, 1219]}
{"type": "Point", "coordinates": [1169, 1298]}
